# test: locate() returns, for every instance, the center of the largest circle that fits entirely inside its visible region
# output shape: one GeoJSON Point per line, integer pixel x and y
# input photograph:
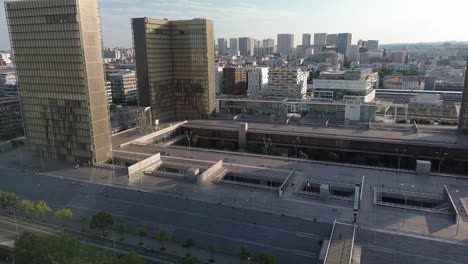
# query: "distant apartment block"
{"type": "Point", "coordinates": [219, 80]}
{"type": "Point", "coordinates": [59, 65]}
{"type": "Point", "coordinates": [175, 62]}
{"type": "Point", "coordinates": [373, 45]}
{"type": "Point", "coordinates": [355, 86]}
{"type": "Point", "coordinates": [287, 83]}
{"type": "Point", "coordinates": [11, 124]}
{"type": "Point", "coordinates": [306, 39]}
{"type": "Point", "coordinates": [233, 44]}
{"type": "Point", "coordinates": [404, 82]}
{"type": "Point", "coordinates": [235, 81]}
{"type": "Point", "coordinates": [222, 46]}
{"type": "Point", "coordinates": [123, 87]}
{"type": "Point", "coordinates": [257, 80]}
{"type": "Point", "coordinates": [285, 44]}
{"type": "Point", "coordinates": [331, 39]}
{"type": "Point", "coordinates": [270, 43]}
{"type": "Point", "coordinates": [246, 46]}
{"type": "Point", "coordinates": [343, 43]}
{"type": "Point", "coordinates": [320, 39]}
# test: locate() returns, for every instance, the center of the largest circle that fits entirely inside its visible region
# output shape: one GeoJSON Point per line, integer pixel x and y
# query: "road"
{"type": "Point", "coordinates": [290, 239]}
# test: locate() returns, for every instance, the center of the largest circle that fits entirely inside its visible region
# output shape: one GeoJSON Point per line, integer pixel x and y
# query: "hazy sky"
{"type": "Point", "coordinates": [394, 21]}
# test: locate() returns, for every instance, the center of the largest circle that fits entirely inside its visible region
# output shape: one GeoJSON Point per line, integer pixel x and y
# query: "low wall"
{"type": "Point", "coordinates": [452, 204]}
{"type": "Point", "coordinates": [286, 182]}
{"type": "Point", "coordinates": [137, 169]}
{"type": "Point", "coordinates": [210, 172]}
{"type": "Point", "coordinates": [149, 139]}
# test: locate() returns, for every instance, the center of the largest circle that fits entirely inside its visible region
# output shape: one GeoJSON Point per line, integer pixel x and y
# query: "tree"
{"type": "Point", "coordinates": [9, 200]}
{"type": "Point", "coordinates": [428, 112]}
{"type": "Point", "coordinates": [162, 235]}
{"type": "Point", "coordinates": [121, 230]}
{"type": "Point", "coordinates": [266, 258]}
{"type": "Point", "coordinates": [302, 155]}
{"type": "Point", "coordinates": [42, 209]}
{"type": "Point", "coordinates": [27, 206]}
{"type": "Point", "coordinates": [141, 232]}
{"type": "Point", "coordinates": [190, 260]}
{"type": "Point", "coordinates": [84, 219]}
{"type": "Point", "coordinates": [214, 249]}
{"type": "Point", "coordinates": [416, 111]}
{"type": "Point", "coordinates": [100, 221]}
{"type": "Point", "coordinates": [131, 258]}
{"type": "Point", "coordinates": [188, 244]}
{"type": "Point", "coordinates": [63, 215]}
{"type": "Point", "coordinates": [244, 253]}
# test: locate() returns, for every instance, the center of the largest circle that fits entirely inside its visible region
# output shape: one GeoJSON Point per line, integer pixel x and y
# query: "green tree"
{"type": "Point", "coordinates": [63, 215]}
{"type": "Point", "coordinates": [188, 244]}
{"type": "Point", "coordinates": [141, 232]}
{"type": "Point", "coordinates": [302, 155]}
{"type": "Point", "coordinates": [42, 209]}
{"type": "Point", "coordinates": [190, 260]}
{"type": "Point", "coordinates": [131, 258]}
{"type": "Point", "coordinates": [244, 253]}
{"type": "Point", "coordinates": [27, 206]}
{"type": "Point", "coordinates": [113, 106]}
{"type": "Point", "coordinates": [428, 112]}
{"type": "Point", "coordinates": [452, 113]}
{"type": "Point", "coordinates": [213, 250]}
{"type": "Point", "coordinates": [9, 200]}
{"type": "Point", "coordinates": [84, 219]}
{"type": "Point", "coordinates": [416, 111]}
{"type": "Point", "coordinates": [405, 112]}
{"type": "Point", "coordinates": [100, 221]}
{"type": "Point", "coordinates": [266, 258]}
{"type": "Point", "coordinates": [162, 235]}
{"type": "Point", "coordinates": [120, 228]}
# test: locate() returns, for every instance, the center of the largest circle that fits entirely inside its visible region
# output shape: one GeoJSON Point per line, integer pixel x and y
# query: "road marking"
{"type": "Point", "coordinates": [307, 235]}
{"type": "Point", "coordinates": [303, 253]}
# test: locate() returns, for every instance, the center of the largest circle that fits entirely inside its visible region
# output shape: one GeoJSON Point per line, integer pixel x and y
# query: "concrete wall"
{"type": "Point", "coordinates": [149, 139]}
{"type": "Point", "coordinates": [210, 172]}
{"type": "Point", "coordinates": [448, 197]}
{"type": "Point", "coordinates": [136, 170]}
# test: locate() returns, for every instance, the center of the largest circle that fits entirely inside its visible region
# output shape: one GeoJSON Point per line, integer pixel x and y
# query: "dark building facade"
{"type": "Point", "coordinates": [343, 43]}
{"type": "Point", "coordinates": [235, 81]}
{"type": "Point", "coordinates": [175, 62]}
{"type": "Point", "coordinates": [463, 124]}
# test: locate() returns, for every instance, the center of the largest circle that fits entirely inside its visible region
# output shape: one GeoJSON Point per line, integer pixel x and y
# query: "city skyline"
{"type": "Point", "coordinates": [234, 19]}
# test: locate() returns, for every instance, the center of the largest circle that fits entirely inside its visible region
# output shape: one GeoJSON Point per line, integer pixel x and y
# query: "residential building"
{"type": "Point", "coordinates": [8, 86]}
{"type": "Point", "coordinates": [63, 97]}
{"type": "Point", "coordinates": [373, 45]}
{"type": "Point", "coordinates": [356, 86]}
{"type": "Point", "coordinates": [11, 124]}
{"type": "Point", "coordinates": [331, 39]}
{"type": "Point", "coordinates": [219, 80]}
{"type": "Point", "coordinates": [257, 80]}
{"type": "Point", "coordinates": [222, 46]}
{"type": "Point", "coordinates": [463, 123]}
{"type": "Point", "coordinates": [123, 87]}
{"type": "Point", "coordinates": [235, 81]}
{"type": "Point", "coordinates": [109, 92]}
{"type": "Point", "coordinates": [287, 83]}
{"type": "Point", "coordinates": [246, 46]}
{"type": "Point", "coordinates": [320, 39]}
{"type": "Point", "coordinates": [263, 51]}
{"type": "Point", "coordinates": [233, 44]}
{"type": "Point", "coordinates": [404, 82]}
{"type": "Point", "coordinates": [398, 56]}
{"type": "Point", "coordinates": [175, 62]}
{"type": "Point", "coordinates": [270, 43]}
{"type": "Point", "coordinates": [306, 39]}
{"type": "Point", "coordinates": [343, 43]}
{"type": "Point", "coordinates": [285, 44]}
{"type": "Point", "coordinates": [353, 53]}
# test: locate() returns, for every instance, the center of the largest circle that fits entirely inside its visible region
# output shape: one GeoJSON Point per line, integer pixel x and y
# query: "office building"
{"type": "Point", "coordinates": [175, 62]}
{"type": "Point", "coordinates": [331, 39]}
{"type": "Point", "coordinates": [306, 39]}
{"type": "Point", "coordinates": [343, 43]}
{"type": "Point", "coordinates": [257, 80]}
{"type": "Point", "coordinates": [354, 86]}
{"type": "Point", "coordinates": [219, 79]}
{"type": "Point", "coordinates": [234, 44]}
{"type": "Point", "coordinates": [8, 86]}
{"type": "Point", "coordinates": [268, 43]}
{"type": "Point", "coordinates": [285, 44]}
{"type": "Point", "coordinates": [123, 87]}
{"type": "Point", "coordinates": [287, 83]}
{"type": "Point", "coordinates": [59, 65]}
{"type": "Point", "coordinates": [11, 124]}
{"type": "Point", "coordinates": [463, 122]}
{"type": "Point", "coordinates": [263, 51]}
{"type": "Point", "coordinates": [235, 81]}
{"type": "Point", "coordinates": [373, 45]}
{"type": "Point", "coordinates": [246, 46]}
{"type": "Point", "coordinates": [222, 46]}
{"type": "Point", "coordinates": [320, 39]}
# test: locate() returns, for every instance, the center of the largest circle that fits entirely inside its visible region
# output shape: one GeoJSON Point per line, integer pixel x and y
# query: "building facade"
{"type": "Point", "coordinates": [343, 42]}
{"type": "Point", "coordinates": [222, 46]}
{"type": "Point", "coordinates": [285, 44]}
{"type": "Point", "coordinates": [123, 87]}
{"type": "Point", "coordinates": [59, 64]}
{"type": "Point", "coordinates": [257, 80]}
{"type": "Point", "coordinates": [373, 45]}
{"type": "Point", "coordinates": [463, 123]}
{"type": "Point", "coordinates": [246, 46]}
{"type": "Point", "coordinates": [235, 81]}
{"type": "Point", "coordinates": [287, 83]}
{"type": "Point", "coordinates": [219, 80]}
{"type": "Point", "coordinates": [11, 124]}
{"type": "Point", "coordinates": [331, 39]}
{"type": "Point", "coordinates": [175, 62]}
{"type": "Point", "coordinates": [320, 39]}
{"type": "Point", "coordinates": [268, 43]}
{"type": "Point", "coordinates": [306, 39]}
{"type": "Point", "coordinates": [234, 44]}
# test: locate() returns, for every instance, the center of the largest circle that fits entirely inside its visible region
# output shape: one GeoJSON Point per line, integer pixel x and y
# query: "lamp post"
{"type": "Point", "coordinates": [266, 141]}
{"type": "Point", "coordinates": [189, 137]}
{"type": "Point", "coordinates": [400, 156]}
{"type": "Point", "coordinates": [441, 157]}
{"type": "Point", "coordinates": [296, 143]}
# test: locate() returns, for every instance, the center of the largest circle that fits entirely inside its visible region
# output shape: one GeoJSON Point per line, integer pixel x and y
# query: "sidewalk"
{"type": "Point", "coordinates": [149, 244]}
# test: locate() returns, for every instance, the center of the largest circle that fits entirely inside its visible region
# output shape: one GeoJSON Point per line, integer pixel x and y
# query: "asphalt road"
{"type": "Point", "coordinates": [290, 239]}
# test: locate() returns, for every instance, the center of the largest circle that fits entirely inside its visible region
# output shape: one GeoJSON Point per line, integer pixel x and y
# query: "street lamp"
{"type": "Point", "coordinates": [189, 137]}
{"type": "Point", "coordinates": [296, 143]}
{"type": "Point", "coordinates": [400, 156]}
{"type": "Point", "coordinates": [441, 157]}
{"type": "Point", "coordinates": [266, 141]}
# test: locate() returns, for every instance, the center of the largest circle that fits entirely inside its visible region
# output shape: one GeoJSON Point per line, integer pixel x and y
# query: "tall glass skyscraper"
{"type": "Point", "coordinates": [58, 59]}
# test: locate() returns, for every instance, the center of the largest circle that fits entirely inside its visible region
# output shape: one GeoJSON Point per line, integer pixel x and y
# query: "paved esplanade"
{"type": "Point", "coordinates": [341, 244]}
